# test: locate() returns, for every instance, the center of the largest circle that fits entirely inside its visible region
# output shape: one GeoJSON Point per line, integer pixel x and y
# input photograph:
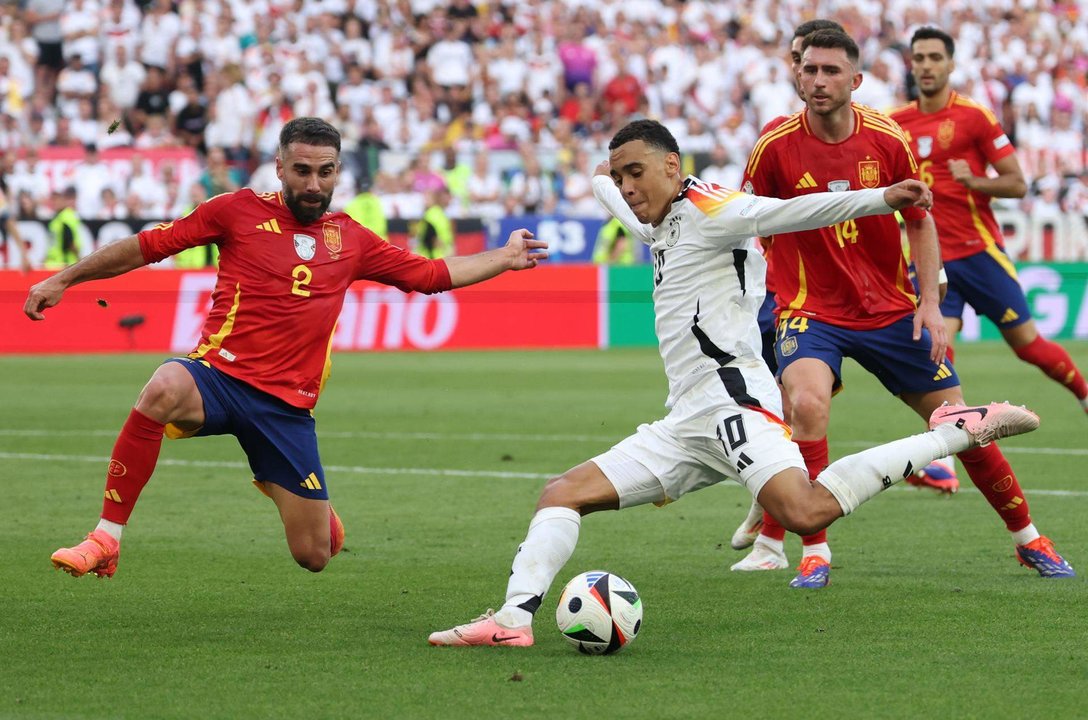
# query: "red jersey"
{"type": "Point", "coordinates": [281, 286]}
{"type": "Point", "coordinates": [852, 274]}
{"type": "Point", "coordinates": [962, 130]}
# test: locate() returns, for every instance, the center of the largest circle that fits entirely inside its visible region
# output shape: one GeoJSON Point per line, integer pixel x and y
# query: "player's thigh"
{"type": "Point", "coordinates": [171, 395]}
{"type": "Point", "coordinates": [988, 282]}
{"type": "Point", "coordinates": [585, 488]}
{"type": "Point", "coordinates": [900, 363]}
{"type": "Point", "coordinates": [809, 355]}
{"type": "Point", "coordinates": [305, 520]}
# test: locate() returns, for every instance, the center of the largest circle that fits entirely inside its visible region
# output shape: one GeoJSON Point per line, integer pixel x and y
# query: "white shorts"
{"type": "Point", "coordinates": [707, 437]}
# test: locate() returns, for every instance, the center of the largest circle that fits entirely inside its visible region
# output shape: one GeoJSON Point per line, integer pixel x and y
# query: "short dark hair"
{"type": "Point", "coordinates": [311, 131]}
{"type": "Point", "coordinates": [650, 132]}
{"type": "Point", "coordinates": [833, 40]}
{"type": "Point", "coordinates": [810, 26]}
{"type": "Point", "coordinates": [932, 33]}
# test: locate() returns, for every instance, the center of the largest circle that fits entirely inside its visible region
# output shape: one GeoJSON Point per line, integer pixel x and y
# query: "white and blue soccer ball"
{"type": "Point", "coordinates": [599, 612]}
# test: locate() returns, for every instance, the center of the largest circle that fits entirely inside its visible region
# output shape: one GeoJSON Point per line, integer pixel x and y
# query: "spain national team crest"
{"type": "Point", "coordinates": [869, 173]}
{"type": "Point", "coordinates": [925, 146]}
{"type": "Point", "coordinates": [331, 234]}
{"type": "Point", "coordinates": [945, 132]}
{"type": "Point", "coordinates": [789, 346]}
{"type": "Point", "coordinates": [305, 246]}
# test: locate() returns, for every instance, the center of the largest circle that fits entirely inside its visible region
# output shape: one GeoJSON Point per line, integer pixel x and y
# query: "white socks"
{"type": "Point", "coordinates": [111, 528]}
{"type": "Point", "coordinates": [857, 478]}
{"type": "Point", "coordinates": [553, 533]}
{"type": "Point", "coordinates": [1026, 535]}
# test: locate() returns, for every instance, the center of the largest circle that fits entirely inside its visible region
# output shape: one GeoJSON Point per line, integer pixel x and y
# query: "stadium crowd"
{"type": "Point", "coordinates": [507, 105]}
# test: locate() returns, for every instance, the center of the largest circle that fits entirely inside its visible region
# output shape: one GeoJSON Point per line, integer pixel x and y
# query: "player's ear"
{"type": "Point", "coordinates": [279, 166]}
{"type": "Point", "coordinates": [672, 164]}
{"type": "Point", "coordinates": [857, 81]}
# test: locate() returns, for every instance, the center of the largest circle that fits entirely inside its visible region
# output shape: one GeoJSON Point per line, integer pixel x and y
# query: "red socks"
{"type": "Point", "coordinates": [1052, 359]}
{"type": "Point", "coordinates": [991, 474]}
{"type": "Point", "coordinates": [815, 454]}
{"type": "Point", "coordinates": [134, 456]}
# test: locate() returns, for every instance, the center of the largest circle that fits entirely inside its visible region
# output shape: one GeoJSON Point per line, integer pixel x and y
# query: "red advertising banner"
{"type": "Point", "coordinates": [163, 311]}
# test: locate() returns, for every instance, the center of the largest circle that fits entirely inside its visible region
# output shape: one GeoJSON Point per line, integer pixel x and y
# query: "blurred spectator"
{"type": "Point", "coordinates": [455, 174]}
{"type": "Point", "coordinates": [43, 17]}
{"type": "Point", "coordinates": [613, 245]}
{"type": "Point", "coordinates": [722, 170]}
{"type": "Point", "coordinates": [484, 189]}
{"type": "Point", "coordinates": [153, 98]}
{"type": "Point", "coordinates": [79, 25]}
{"type": "Point", "coordinates": [64, 231]}
{"type": "Point", "coordinates": [90, 178]}
{"type": "Point", "coordinates": [122, 77]}
{"type": "Point", "coordinates": [14, 248]}
{"type": "Point", "coordinates": [218, 176]}
{"type": "Point", "coordinates": [366, 209]}
{"type": "Point", "coordinates": [74, 83]}
{"type": "Point", "coordinates": [29, 175]}
{"type": "Point", "coordinates": [109, 207]}
{"type": "Point", "coordinates": [192, 119]}
{"type": "Point", "coordinates": [434, 237]}
{"type": "Point", "coordinates": [578, 199]}
{"type": "Point", "coordinates": [578, 59]}
{"type": "Point", "coordinates": [531, 190]}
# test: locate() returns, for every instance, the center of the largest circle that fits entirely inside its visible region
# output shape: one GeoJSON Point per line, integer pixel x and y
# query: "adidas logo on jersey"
{"type": "Point", "coordinates": [805, 182]}
{"type": "Point", "coordinates": [1009, 316]}
{"type": "Point", "coordinates": [942, 373]}
{"type": "Point", "coordinates": [270, 226]}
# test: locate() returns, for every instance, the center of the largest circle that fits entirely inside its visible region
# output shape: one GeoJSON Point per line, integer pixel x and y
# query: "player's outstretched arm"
{"type": "Point", "coordinates": [521, 252]}
{"type": "Point", "coordinates": [113, 259]}
{"type": "Point", "coordinates": [909, 193]}
{"type": "Point", "coordinates": [926, 254]}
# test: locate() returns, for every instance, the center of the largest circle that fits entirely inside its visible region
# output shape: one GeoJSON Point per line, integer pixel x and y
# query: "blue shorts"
{"type": "Point", "coordinates": [279, 440]}
{"type": "Point", "coordinates": [898, 362]}
{"type": "Point", "coordinates": [987, 282]}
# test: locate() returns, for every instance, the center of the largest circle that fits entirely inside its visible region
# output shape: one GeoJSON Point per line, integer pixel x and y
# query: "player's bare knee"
{"type": "Point", "coordinates": [160, 397]}
{"type": "Point", "coordinates": [562, 491]}
{"type": "Point", "coordinates": [810, 408]}
{"type": "Point", "coordinates": [799, 517]}
{"type": "Point", "coordinates": [313, 559]}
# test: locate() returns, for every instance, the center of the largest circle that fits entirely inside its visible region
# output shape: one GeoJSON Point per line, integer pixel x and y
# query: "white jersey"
{"type": "Point", "coordinates": [710, 276]}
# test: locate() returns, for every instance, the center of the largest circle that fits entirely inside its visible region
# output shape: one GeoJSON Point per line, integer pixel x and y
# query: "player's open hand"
{"type": "Point", "coordinates": [42, 295]}
{"type": "Point", "coordinates": [909, 193]}
{"type": "Point", "coordinates": [928, 315]}
{"type": "Point", "coordinates": [526, 252]}
{"type": "Point", "coordinates": [604, 167]}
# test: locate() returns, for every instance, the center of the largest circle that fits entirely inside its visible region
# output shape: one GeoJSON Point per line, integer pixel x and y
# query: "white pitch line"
{"type": "Point", "coordinates": [508, 437]}
{"type": "Point", "coordinates": [362, 470]}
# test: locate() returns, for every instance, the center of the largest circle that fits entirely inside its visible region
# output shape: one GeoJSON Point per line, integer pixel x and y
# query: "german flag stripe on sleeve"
{"type": "Point", "coordinates": [710, 199]}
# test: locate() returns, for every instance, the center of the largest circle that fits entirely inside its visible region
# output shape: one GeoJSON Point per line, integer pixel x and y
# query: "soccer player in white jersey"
{"type": "Point", "coordinates": [724, 419]}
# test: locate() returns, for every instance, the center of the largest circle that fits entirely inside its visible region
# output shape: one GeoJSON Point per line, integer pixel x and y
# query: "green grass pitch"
{"type": "Point", "coordinates": [434, 463]}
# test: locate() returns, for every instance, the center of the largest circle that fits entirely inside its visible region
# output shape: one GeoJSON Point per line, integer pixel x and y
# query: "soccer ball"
{"type": "Point", "coordinates": [599, 612]}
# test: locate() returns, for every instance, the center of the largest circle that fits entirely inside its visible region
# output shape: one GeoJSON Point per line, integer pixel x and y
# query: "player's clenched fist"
{"type": "Point", "coordinates": [909, 193]}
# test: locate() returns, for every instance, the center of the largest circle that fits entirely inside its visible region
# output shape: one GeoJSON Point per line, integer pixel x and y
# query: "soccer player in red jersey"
{"type": "Point", "coordinates": [955, 139]}
{"type": "Point", "coordinates": [285, 266]}
{"type": "Point", "coordinates": [758, 522]}
{"type": "Point", "coordinates": [845, 290]}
